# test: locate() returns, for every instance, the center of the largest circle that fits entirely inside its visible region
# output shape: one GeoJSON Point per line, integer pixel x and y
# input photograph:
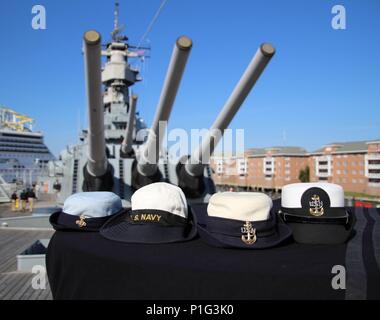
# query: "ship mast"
{"type": "Point", "coordinates": [116, 27]}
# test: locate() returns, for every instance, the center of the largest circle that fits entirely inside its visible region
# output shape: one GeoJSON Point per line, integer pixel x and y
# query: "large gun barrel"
{"type": "Point", "coordinates": [147, 165]}
{"type": "Point", "coordinates": [97, 160]}
{"type": "Point", "coordinates": [97, 172]}
{"type": "Point", "coordinates": [126, 147]}
{"type": "Point", "coordinates": [200, 157]}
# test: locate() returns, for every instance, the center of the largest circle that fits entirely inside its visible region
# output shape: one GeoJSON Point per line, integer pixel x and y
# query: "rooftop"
{"type": "Point", "coordinates": [276, 150]}
{"type": "Point", "coordinates": [347, 147]}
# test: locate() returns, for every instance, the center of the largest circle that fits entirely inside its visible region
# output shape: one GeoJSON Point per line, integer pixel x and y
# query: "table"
{"type": "Point", "coordinates": [84, 265]}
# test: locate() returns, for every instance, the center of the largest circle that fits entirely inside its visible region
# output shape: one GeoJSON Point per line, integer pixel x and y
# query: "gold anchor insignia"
{"type": "Point", "coordinates": [316, 206]}
{"type": "Point", "coordinates": [81, 223]}
{"type": "Point", "coordinates": [248, 233]}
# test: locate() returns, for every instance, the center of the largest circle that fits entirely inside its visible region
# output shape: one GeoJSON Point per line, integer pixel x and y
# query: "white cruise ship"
{"type": "Point", "coordinates": [23, 154]}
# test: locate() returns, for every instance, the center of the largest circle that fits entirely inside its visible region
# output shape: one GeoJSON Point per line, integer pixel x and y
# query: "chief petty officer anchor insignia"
{"type": "Point", "coordinates": [248, 233]}
{"type": "Point", "coordinates": [81, 223]}
{"type": "Point", "coordinates": [316, 206]}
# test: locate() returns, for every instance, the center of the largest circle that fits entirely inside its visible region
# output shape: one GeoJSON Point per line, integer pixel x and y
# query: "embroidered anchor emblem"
{"type": "Point", "coordinates": [316, 206]}
{"type": "Point", "coordinates": [248, 233]}
{"type": "Point", "coordinates": [81, 223]}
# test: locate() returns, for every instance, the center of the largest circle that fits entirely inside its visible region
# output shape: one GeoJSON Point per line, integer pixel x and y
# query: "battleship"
{"type": "Point", "coordinates": [118, 152]}
{"type": "Point", "coordinates": [23, 153]}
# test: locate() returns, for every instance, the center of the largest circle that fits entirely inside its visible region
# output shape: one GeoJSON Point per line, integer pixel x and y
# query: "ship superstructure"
{"type": "Point", "coordinates": [117, 152]}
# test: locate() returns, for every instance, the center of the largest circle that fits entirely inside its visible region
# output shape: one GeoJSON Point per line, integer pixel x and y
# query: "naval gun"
{"type": "Point", "coordinates": [97, 173]}
{"type": "Point", "coordinates": [146, 170]}
{"type": "Point", "coordinates": [190, 170]}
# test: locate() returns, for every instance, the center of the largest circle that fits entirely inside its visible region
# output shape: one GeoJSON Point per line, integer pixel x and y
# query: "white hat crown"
{"type": "Point", "coordinates": [292, 194]}
{"type": "Point", "coordinates": [92, 204]}
{"type": "Point", "coordinates": [160, 196]}
{"type": "Point", "coordinates": [244, 206]}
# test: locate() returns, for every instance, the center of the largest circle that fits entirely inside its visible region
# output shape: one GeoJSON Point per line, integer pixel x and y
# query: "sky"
{"type": "Point", "coordinates": [322, 85]}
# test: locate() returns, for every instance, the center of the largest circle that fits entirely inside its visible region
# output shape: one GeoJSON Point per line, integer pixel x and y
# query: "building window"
{"type": "Point", "coordinates": [323, 166]}
{"type": "Point", "coordinates": [374, 180]}
{"type": "Point", "coordinates": [322, 178]}
{"type": "Point", "coordinates": [219, 166]}
{"type": "Point", "coordinates": [338, 171]}
{"type": "Point", "coordinates": [269, 165]}
{"type": "Point", "coordinates": [242, 166]}
{"type": "Point", "coordinates": [354, 181]}
{"type": "Point", "coordinates": [354, 172]}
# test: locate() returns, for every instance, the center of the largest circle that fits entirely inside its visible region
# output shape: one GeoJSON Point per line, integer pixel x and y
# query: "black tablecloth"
{"type": "Point", "coordinates": [84, 265]}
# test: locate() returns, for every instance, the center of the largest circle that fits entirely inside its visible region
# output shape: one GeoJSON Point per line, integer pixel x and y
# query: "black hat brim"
{"type": "Point", "coordinates": [320, 233]}
{"type": "Point", "coordinates": [324, 232]}
{"type": "Point", "coordinates": [281, 234]}
{"type": "Point", "coordinates": [120, 229]}
{"type": "Point", "coordinates": [65, 222]}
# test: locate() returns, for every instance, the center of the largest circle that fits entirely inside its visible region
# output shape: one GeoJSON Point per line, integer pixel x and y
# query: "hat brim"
{"type": "Point", "coordinates": [120, 229]}
{"type": "Point", "coordinates": [65, 222]}
{"type": "Point", "coordinates": [282, 233]}
{"type": "Point", "coordinates": [322, 233]}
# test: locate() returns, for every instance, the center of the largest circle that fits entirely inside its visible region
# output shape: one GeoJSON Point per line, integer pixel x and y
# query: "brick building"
{"type": "Point", "coordinates": [261, 169]}
{"type": "Point", "coordinates": [354, 165]}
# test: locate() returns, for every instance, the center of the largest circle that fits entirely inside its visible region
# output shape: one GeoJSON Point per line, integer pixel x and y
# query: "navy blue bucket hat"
{"type": "Point", "coordinates": [241, 220]}
{"type": "Point", "coordinates": [159, 214]}
{"type": "Point", "coordinates": [86, 211]}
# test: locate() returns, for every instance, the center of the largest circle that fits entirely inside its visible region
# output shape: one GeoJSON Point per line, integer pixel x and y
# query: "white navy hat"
{"type": "Point", "coordinates": [242, 220]}
{"type": "Point", "coordinates": [159, 214]}
{"type": "Point", "coordinates": [316, 213]}
{"type": "Point", "coordinates": [86, 211]}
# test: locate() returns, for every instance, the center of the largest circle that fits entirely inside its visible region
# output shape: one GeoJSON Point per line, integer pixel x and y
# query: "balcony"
{"type": "Point", "coordinates": [373, 166]}
{"type": "Point", "coordinates": [374, 175]}
{"type": "Point", "coordinates": [322, 174]}
{"type": "Point", "coordinates": [373, 157]}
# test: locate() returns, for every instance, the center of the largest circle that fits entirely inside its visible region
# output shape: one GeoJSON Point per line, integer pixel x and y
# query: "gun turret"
{"type": "Point", "coordinates": [97, 172]}
{"type": "Point", "coordinates": [190, 174]}
{"type": "Point", "coordinates": [146, 168]}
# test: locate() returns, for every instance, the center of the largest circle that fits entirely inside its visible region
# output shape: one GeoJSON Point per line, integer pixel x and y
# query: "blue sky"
{"type": "Point", "coordinates": [323, 85]}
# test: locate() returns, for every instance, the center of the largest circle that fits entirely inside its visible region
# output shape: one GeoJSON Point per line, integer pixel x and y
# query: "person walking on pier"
{"type": "Point", "coordinates": [14, 199]}
{"type": "Point", "coordinates": [23, 198]}
{"type": "Point", "coordinates": [31, 197]}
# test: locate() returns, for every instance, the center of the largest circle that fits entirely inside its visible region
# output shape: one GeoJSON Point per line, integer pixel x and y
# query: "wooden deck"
{"type": "Point", "coordinates": [15, 285]}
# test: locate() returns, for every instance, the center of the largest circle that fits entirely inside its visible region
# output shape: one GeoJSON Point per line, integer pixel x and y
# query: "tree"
{"type": "Point", "coordinates": [304, 175]}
